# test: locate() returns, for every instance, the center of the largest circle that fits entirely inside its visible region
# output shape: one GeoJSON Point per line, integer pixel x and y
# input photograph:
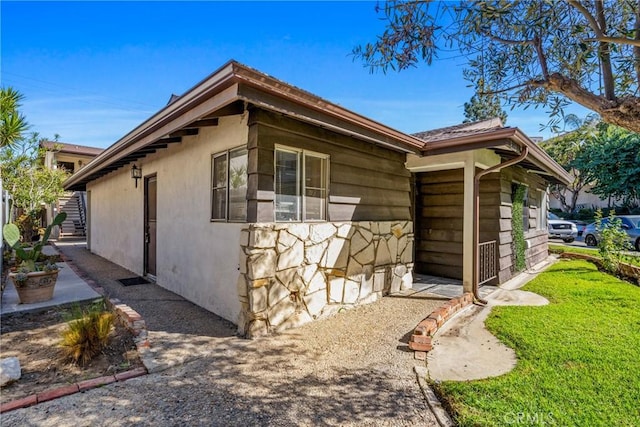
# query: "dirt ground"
{"type": "Point", "coordinates": [34, 339]}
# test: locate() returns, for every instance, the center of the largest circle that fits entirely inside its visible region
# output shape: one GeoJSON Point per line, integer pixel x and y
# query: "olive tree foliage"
{"type": "Point", "coordinates": [542, 53]}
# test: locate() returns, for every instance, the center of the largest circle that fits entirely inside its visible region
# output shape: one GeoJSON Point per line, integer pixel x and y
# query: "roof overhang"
{"type": "Point", "coordinates": [508, 143]}
{"type": "Point", "coordinates": [220, 94]}
{"type": "Point", "coordinates": [71, 149]}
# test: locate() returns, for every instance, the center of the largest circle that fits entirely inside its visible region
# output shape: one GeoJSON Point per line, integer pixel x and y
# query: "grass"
{"type": "Point", "coordinates": [558, 249]}
{"type": "Point", "coordinates": [578, 357]}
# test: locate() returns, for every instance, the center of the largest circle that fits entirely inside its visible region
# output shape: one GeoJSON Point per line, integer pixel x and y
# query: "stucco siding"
{"type": "Point", "coordinates": [196, 258]}
{"type": "Point", "coordinates": [117, 220]}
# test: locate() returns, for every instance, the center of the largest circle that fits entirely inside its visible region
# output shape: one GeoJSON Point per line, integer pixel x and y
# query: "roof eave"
{"type": "Point", "coordinates": [234, 74]}
{"type": "Point", "coordinates": [495, 138]}
{"type": "Point", "coordinates": [395, 139]}
{"type": "Point", "coordinates": [203, 89]}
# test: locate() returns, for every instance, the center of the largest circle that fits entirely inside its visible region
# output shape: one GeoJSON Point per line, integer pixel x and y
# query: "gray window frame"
{"type": "Point", "coordinates": [227, 186]}
{"type": "Point", "coordinates": [301, 183]}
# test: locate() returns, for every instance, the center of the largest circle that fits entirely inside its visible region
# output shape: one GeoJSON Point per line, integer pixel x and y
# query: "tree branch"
{"type": "Point", "coordinates": [636, 49]}
{"type": "Point", "coordinates": [496, 92]}
{"type": "Point", "coordinates": [585, 12]}
{"type": "Point", "coordinates": [605, 55]}
{"type": "Point", "coordinates": [507, 41]}
{"type": "Point", "coordinates": [541, 57]}
{"type": "Point", "coordinates": [615, 40]}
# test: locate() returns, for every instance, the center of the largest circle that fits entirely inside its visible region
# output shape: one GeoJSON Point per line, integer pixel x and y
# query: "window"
{"type": "Point", "coordinates": [229, 185]}
{"type": "Point", "coordinates": [68, 166]}
{"type": "Point", "coordinates": [300, 185]}
{"type": "Point", "coordinates": [542, 210]}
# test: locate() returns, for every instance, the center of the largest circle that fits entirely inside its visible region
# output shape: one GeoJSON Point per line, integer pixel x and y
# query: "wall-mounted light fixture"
{"type": "Point", "coordinates": [136, 173]}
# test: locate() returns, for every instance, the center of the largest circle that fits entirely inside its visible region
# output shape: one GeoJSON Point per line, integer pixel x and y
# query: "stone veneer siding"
{"type": "Point", "coordinates": [291, 274]}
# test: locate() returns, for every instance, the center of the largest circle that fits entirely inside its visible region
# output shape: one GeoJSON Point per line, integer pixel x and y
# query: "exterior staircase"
{"type": "Point", "coordinates": [75, 207]}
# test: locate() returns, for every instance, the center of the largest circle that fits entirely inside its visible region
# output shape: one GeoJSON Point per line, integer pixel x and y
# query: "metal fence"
{"type": "Point", "coordinates": [488, 261]}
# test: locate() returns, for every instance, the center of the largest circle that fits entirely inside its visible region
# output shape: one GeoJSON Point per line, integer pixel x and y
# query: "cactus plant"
{"type": "Point", "coordinates": [29, 256]}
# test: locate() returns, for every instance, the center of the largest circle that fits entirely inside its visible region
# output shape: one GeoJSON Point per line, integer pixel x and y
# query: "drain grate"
{"type": "Point", "coordinates": [131, 281]}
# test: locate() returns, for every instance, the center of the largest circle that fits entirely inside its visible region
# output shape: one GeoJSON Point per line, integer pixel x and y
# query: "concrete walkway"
{"type": "Point", "coordinates": [69, 289]}
{"type": "Point", "coordinates": [465, 350]}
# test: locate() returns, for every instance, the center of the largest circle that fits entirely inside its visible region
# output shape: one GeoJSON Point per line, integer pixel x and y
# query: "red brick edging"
{"type": "Point", "coordinates": [71, 389]}
{"type": "Point", "coordinates": [131, 320]}
{"type": "Point", "coordinates": [421, 339]}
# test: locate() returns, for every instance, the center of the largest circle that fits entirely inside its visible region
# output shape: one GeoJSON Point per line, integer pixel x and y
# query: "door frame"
{"type": "Point", "coordinates": [148, 178]}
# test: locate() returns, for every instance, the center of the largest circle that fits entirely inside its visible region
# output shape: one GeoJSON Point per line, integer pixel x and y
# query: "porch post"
{"type": "Point", "coordinates": [467, 223]}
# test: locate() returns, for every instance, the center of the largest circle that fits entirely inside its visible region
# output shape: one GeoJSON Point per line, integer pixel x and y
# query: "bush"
{"type": "Point", "coordinates": [87, 333]}
{"type": "Point", "coordinates": [613, 241]}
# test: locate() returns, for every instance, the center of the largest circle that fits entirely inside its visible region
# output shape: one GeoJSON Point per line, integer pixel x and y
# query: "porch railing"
{"type": "Point", "coordinates": [488, 261]}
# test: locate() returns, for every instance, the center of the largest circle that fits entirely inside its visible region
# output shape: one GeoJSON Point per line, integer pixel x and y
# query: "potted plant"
{"type": "Point", "coordinates": [33, 278]}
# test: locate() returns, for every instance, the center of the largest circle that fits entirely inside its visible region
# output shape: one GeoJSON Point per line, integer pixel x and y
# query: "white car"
{"type": "Point", "coordinates": [561, 229]}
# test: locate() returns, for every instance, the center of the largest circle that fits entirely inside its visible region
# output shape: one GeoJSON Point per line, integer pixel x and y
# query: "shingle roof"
{"type": "Point", "coordinates": [463, 129]}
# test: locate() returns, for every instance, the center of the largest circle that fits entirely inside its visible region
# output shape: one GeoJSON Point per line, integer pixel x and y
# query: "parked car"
{"type": "Point", "coordinates": [581, 225]}
{"type": "Point", "coordinates": [630, 225]}
{"type": "Point", "coordinates": [561, 229]}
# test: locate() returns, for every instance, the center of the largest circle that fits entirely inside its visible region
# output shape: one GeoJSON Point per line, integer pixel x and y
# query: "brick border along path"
{"type": "Point", "coordinates": [127, 316]}
{"type": "Point", "coordinates": [421, 339]}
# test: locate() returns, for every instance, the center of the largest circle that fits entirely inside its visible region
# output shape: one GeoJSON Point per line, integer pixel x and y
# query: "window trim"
{"type": "Point", "coordinates": [543, 209]}
{"type": "Point", "coordinates": [301, 182]}
{"type": "Point", "coordinates": [227, 154]}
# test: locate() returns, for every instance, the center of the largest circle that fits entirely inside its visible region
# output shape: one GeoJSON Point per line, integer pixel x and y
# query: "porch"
{"type": "Point", "coordinates": [443, 286]}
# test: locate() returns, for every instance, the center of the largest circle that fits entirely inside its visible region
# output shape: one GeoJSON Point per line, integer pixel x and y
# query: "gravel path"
{"type": "Point", "coordinates": [351, 369]}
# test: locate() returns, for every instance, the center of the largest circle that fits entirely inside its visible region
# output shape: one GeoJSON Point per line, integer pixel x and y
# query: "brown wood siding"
{"type": "Point", "coordinates": [439, 213]}
{"type": "Point", "coordinates": [537, 240]}
{"type": "Point", "coordinates": [495, 218]}
{"type": "Point", "coordinates": [439, 220]}
{"type": "Point", "coordinates": [366, 182]}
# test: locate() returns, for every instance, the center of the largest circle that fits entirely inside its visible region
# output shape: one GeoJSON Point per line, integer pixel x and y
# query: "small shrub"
{"type": "Point", "coordinates": [28, 226]}
{"type": "Point", "coordinates": [87, 333]}
{"type": "Point", "coordinates": [613, 240]}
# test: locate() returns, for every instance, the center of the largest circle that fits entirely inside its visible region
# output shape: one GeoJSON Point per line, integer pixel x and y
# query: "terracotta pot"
{"type": "Point", "coordinates": [37, 288]}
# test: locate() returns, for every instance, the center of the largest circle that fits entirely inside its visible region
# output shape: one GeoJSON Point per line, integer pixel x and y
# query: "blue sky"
{"type": "Point", "coordinates": [92, 71]}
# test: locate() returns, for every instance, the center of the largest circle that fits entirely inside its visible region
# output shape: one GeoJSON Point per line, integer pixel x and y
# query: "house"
{"type": "Point", "coordinates": [272, 207]}
{"type": "Point", "coordinates": [585, 199]}
{"type": "Point", "coordinates": [71, 157]}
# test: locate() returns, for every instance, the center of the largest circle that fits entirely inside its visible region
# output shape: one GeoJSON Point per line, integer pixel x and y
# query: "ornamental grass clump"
{"type": "Point", "coordinates": [87, 333]}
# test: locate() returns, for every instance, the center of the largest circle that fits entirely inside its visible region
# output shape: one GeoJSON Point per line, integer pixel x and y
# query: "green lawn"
{"type": "Point", "coordinates": [578, 357]}
{"type": "Point", "coordinates": [631, 257]}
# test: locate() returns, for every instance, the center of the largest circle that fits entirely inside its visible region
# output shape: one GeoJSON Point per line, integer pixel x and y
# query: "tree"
{"type": "Point", "coordinates": [566, 150]}
{"type": "Point", "coordinates": [482, 107]}
{"type": "Point", "coordinates": [605, 156]}
{"type": "Point", "coordinates": [546, 53]}
{"type": "Point", "coordinates": [25, 177]}
{"type": "Point", "coordinates": [12, 123]}
{"type": "Point", "coordinates": [611, 161]}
